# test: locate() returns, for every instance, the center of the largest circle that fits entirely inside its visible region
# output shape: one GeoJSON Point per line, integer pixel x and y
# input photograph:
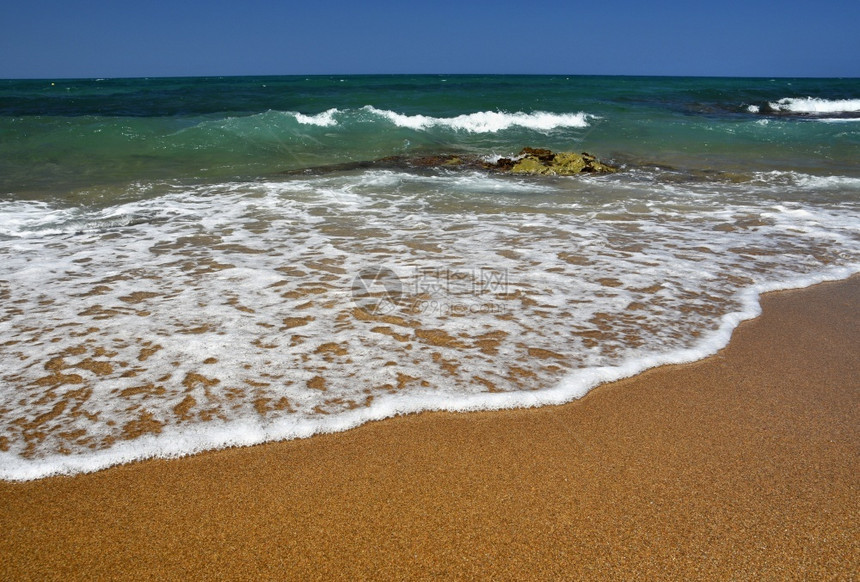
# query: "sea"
{"type": "Point", "coordinates": [188, 264]}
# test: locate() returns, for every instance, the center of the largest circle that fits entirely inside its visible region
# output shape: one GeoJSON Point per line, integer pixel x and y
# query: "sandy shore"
{"type": "Point", "coordinates": [745, 465]}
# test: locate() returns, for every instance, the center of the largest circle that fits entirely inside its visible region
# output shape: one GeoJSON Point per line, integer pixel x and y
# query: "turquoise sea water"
{"type": "Point", "coordinates": [63, 134]}
{"type": "Point", "coordinates": [188, 264]}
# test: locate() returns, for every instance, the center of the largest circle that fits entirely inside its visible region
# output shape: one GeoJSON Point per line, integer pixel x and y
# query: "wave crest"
{"type": "Point", "coordinates": [324, 119]}
{"type": "Point", "coordinates": [815, 105]}
{"type": "Point", "coordinates": [486, 121]}
{"type": "Point", "coordinates": [478, 122]}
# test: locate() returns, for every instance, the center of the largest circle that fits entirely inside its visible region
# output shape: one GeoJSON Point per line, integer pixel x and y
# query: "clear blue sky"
{"type": "Point", "coordinates": [121, 38]}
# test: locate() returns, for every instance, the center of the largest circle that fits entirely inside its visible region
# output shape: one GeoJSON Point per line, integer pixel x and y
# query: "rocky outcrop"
{"type": "Point", "coordinates": [545, 162]}
{"type": "Point", "coordinates": [534, 161]}
{"type": "Point", "coordinates": [530, 161]}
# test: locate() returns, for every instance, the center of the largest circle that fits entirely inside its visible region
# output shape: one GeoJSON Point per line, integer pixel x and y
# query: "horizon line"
{"type": "Point", "coordinates": [318, 75]}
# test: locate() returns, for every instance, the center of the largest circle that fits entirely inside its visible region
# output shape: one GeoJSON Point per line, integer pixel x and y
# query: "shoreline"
{"type": "Point", "coordinates": [570, 388]}
{"type": "Point", "coordinates": [741, 464]}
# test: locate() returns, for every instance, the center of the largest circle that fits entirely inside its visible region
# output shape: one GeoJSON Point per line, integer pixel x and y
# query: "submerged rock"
{"type": "Point", "coordinates": [545, 162]}
{"type": "Point", "coordinates": [530, 161]}
{"type": "Point", "coordinates": [530, 165]}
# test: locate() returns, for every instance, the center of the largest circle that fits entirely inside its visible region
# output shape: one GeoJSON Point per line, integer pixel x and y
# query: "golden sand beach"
{"type": "Point", "coordinates": [742, 466]}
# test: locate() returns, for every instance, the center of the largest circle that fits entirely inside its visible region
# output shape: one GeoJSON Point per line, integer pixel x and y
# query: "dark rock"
{"type": "Point", "coordinates": [545, 156]}
{"type": "Point", "coordinates": [530, 161]}
{"type": "Point", "coordinates": [503, 164]}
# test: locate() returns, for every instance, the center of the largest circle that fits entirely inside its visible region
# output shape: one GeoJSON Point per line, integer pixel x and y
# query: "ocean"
{"type": "Point", "coordinates": [192, 264]}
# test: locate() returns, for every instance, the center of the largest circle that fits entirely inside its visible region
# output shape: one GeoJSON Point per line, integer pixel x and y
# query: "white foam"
{"type": "Point", "coordinates": [24, 219]}
{"type": "Point", "coordinates": [324, 119]}
{"type": "Point", "coordinates": [175, 442]}
{"type": "Point", "coordinates": [479, 182]}
{"type": "Point", "coordinates": [837, 119]}
{"type": "Point", "coordinates": [816, 105]}
{"type": "Point", "coordinates": [487, 121]}
{"type": "Point", "coordinates": [806, 181]}
{"type": "Point", "coordinates": [251, 284]}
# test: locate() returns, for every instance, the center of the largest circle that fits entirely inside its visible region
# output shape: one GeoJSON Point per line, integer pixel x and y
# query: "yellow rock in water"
{"type": "Point", "coordinates": [544, 162]}
{"type": "Point", "coordinates": [530, 165]}
{"type": "Point", "coordinates": [568, 163]}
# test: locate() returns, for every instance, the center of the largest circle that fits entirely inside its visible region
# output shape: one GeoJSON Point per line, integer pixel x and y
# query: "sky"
{"type": "Point", "coordinates": [120, 38]}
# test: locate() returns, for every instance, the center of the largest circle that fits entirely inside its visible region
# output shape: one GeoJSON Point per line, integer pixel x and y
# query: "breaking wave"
{"type": "Point", "coordinates": [487, 121]}
{"type": "Point", "coordinates": [816, 106]}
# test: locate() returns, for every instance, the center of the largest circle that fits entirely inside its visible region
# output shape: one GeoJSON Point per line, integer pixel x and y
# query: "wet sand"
{"type": "Point", "coordinates": [745, 465]}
